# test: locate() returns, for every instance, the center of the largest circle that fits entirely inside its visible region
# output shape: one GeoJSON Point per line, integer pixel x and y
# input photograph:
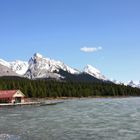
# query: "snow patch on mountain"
{"type": "Point", "coordinates": [20, 67]}
{"type": "Point", "coordinates": [117, 82]}
{"type": "Point", "coordinates": [133, 84]}
{"type": "Point", "coordinates": [5, 71]}
{"type": "Point", "coordinates": [40, 67]}
{"type": "Point", "coordinates": [37, 55]}
{"type": "Point", "coordinates": [4, 63]}
{"type": "Point", "coordinates": [94, 72]}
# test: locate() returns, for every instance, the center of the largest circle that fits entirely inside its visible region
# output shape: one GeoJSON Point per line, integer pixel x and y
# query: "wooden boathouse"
{"type": "Point", "coordinates": [11, 96]}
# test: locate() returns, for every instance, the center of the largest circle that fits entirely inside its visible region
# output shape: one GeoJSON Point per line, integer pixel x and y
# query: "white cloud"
{"type": "Point", "coordinates": [91, 49]}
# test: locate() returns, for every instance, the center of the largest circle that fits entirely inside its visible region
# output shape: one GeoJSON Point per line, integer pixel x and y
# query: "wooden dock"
{"type": "Point", "coordinates": [30, 103]}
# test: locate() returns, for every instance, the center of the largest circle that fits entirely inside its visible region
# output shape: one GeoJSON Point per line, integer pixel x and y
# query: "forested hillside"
{"type": "Point", "coordinates": [50, 88]}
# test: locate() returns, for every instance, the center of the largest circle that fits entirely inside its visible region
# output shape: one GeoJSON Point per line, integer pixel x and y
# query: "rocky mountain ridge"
{"type": "Point", "coordinates": [41, 67]}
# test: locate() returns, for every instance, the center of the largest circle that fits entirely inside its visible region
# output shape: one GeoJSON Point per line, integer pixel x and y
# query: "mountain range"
{"type": "Point", "coordinates": [39, 67]}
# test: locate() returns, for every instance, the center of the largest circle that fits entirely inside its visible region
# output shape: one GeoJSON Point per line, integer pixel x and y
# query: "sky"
{"type": "Point", "coordinates": [102, 33]}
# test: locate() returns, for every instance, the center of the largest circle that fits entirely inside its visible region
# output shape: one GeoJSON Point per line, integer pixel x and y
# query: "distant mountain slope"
{"type": "Point", "coordinates": [5, 71]}
{"type": "Point", "coordinates": [81, 77]}
{"type": "Point", "coordinates": [131, 83]}
{"type": "Point", "coordinates": [39, 67]}
{"type": "Point", "coordinates": [20, 67]}
{"type": "Point", "coordinates": [94, 72]}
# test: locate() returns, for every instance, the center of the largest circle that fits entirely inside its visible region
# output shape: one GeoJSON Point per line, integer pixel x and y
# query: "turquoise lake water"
{"type": "Point", "coordinates": [77, 119]}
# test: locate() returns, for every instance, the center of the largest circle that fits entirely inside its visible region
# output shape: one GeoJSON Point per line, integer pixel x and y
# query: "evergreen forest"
{"type": "Point", "coordinates": [52, 88]}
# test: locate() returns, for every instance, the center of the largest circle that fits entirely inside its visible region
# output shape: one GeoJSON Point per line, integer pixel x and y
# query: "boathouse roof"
{"type": "Point", "coordinates": [7, 93]}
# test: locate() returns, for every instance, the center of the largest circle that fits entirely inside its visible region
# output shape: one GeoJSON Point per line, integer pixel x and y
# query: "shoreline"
{"type": "Point", "coordinates": [72, 98]}
{"type": "Point", "coordinates": [54, 101]}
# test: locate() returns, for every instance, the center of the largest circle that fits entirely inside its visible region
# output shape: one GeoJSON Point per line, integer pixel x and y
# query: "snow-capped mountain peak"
{"type": "Point", "coordinates": [37, 55]}
{"type": "Point", "coordinates": [94, 72]}
{"type": "Point", "coordinates": [133, 84]}
{"type": "Point", "coordinates": [20, 67]}
{"type": "Point", "coordinates": [40, 66]}
{"type": "Point", "coordinates": [4, 63]}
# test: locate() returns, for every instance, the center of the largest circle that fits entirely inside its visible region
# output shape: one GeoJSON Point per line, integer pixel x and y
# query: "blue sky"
{"type": "Point", "coordinates": [60, 28]}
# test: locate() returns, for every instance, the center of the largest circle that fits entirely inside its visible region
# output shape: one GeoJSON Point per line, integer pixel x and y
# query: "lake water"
{"type": "Point", "coordinates": [78, 119]}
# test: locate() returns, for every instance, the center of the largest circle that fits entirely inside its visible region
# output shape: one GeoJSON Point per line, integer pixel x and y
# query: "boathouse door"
{"type": "Point", "coordinates": [17, 99]}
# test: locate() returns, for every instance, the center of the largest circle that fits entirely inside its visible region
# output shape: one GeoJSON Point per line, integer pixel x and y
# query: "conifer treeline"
{"type": "Point", "coordinates": [45, 88]}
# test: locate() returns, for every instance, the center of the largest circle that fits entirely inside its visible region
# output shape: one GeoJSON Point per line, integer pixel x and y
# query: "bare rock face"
{"type": "Point", "coordinates": [5, 71]}
{"type": "Point", "coordinates": [40, 67]}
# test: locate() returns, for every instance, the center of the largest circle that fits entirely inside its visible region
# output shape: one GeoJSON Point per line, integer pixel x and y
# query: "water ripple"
{"type": "Point", "coordinates": [84, 119]}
